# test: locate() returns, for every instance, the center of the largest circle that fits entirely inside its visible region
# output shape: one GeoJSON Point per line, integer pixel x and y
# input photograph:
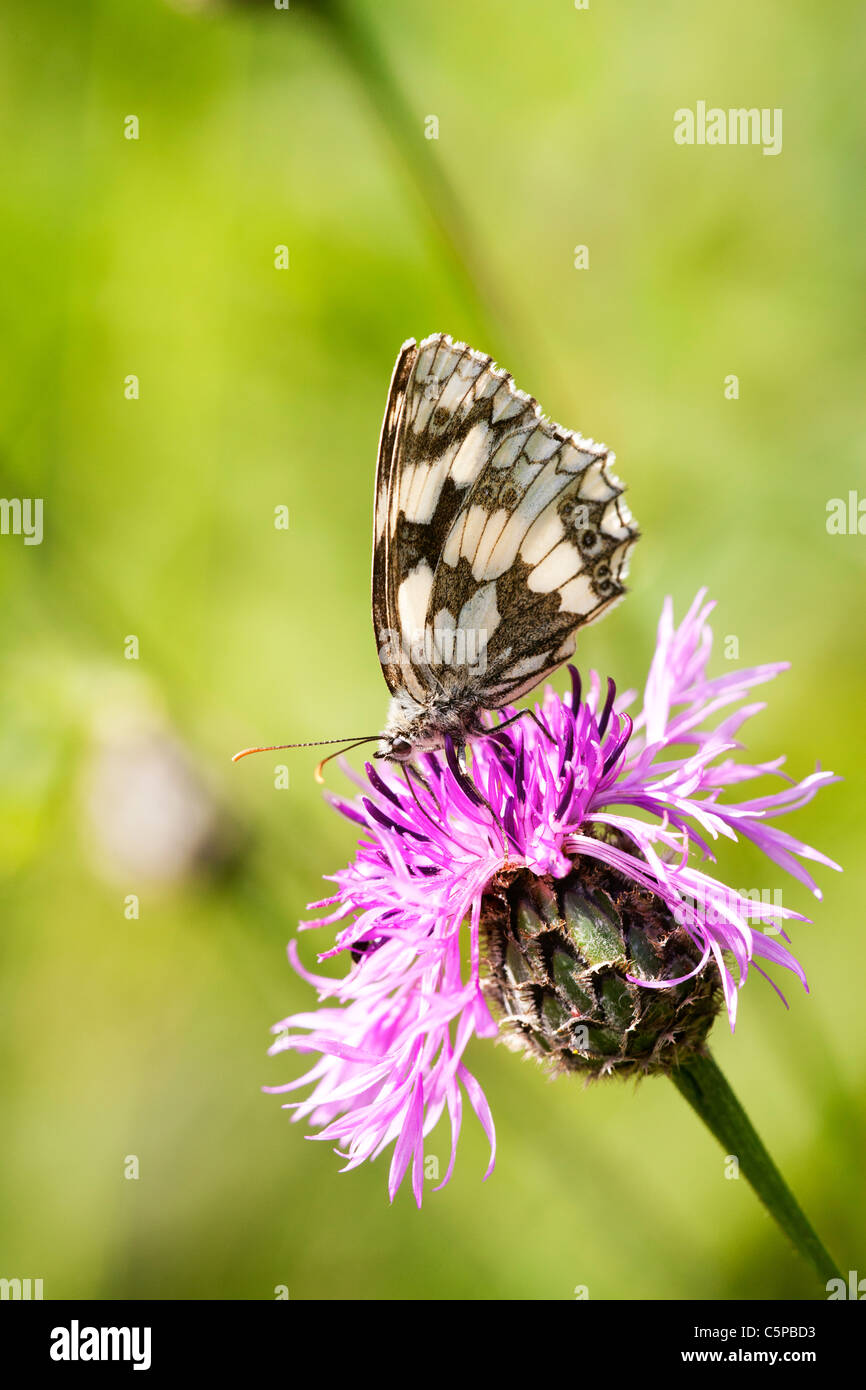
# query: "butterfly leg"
{"type": "Point", "coordinates": [519, 715]}
{"type": "Point", "coordinates": [543, 727]}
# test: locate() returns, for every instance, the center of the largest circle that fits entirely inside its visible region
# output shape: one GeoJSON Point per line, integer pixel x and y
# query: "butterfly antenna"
{"type": "Point", "coordinates": [370, 738]}
{"type": "Point", "coordinates": [313, 743]}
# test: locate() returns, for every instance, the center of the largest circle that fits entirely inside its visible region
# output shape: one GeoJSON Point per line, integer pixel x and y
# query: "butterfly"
{"type": "Point", "coordinates": [497, 534]}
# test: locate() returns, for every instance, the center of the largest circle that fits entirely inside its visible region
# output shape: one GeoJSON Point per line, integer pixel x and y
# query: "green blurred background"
{"type": "Point", "coordinates": [261, 388]}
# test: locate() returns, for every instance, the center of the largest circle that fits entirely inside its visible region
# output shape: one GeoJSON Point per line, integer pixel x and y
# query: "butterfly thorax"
{"type": "Point", "coordinates": [413, 727]}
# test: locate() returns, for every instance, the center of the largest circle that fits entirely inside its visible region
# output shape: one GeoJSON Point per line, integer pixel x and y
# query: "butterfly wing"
{"type": "Point", "coordinates": [438, 391]}
{"type": "Point", "coordinates": [386, 550]}
{"type": "Point", "coordinates": [540, 549]}
{"type": "Point", "coordinates": [498, 533]}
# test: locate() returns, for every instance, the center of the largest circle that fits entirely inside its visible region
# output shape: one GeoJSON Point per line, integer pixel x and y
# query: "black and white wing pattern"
{"type": "Point", "coordinates": [497, 533]}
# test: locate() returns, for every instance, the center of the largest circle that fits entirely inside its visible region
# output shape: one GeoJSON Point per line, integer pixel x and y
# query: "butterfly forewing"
{"type": "Point", "coordinates": [421, 483]}
{"type": "Point", "coordinates": [386, 552]}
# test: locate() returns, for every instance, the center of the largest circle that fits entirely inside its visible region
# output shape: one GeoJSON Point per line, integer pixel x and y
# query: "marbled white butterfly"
{"type": "Point", "coordinates": [497, 534]}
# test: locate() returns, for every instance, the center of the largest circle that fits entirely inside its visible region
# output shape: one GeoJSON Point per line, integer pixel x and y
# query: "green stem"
{"type": "Point", "coordinates": [359, 46]}
{"type": "Point", "coordinates": [710, 1096]}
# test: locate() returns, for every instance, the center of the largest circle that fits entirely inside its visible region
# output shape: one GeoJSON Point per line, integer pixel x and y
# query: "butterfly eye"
{"type": "Point", "coordinates": [400, 748]}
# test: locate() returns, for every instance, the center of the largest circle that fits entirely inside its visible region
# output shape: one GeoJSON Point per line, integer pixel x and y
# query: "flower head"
{"type": "Point", "coordinates": [579, 795]}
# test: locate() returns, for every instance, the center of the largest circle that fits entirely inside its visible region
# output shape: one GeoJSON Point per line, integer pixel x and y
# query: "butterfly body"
{"type": "Point", "coordinates": [412, 727]}
{"type": "Point", "coordinates": [497, 534]}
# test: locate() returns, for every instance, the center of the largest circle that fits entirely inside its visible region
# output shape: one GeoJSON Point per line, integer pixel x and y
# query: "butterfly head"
{"type": "Point", "coordinates": [413, 728]}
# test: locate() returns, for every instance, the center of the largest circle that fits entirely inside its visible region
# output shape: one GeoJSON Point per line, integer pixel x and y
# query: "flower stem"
{"type": "Point", "coordinates": [710, 1096]}
{"type": "Point", "coordinates": [358, 44]}
{"type": "Point", "coordinates": [469, 264]}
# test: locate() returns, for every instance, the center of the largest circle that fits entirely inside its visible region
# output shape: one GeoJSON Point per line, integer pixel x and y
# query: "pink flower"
{"type": "Point", "coordinates": [390, 1047]}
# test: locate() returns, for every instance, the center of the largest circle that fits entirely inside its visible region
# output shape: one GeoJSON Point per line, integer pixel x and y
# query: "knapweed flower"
{"type": "Point", "coordinates": [554, 891]}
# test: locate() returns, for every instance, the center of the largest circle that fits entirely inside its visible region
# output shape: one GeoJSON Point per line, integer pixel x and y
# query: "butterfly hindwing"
{"type": "Point", "coordinates": [540, 550]}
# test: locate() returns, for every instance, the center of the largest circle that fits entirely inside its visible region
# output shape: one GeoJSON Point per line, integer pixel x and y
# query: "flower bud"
{"type": "Point", "coordinates": [563, 960]}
